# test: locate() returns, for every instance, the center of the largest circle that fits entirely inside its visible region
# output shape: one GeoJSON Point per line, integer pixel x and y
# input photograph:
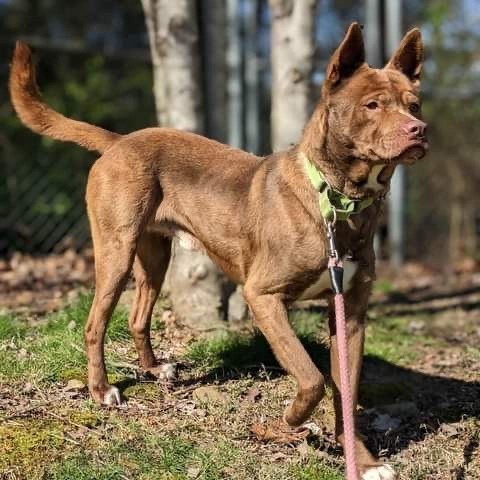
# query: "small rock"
{"type": "Point", "coordinates": [209, 394]}
{"type": "Point", "coordinates": [168, 317]}
{"type": "Point", "coordinates": [416, 326]}
{"type": "Point", "coordinates": [313, 427]}
{"type": "Point", "coordinates": [72, 325]}
{"type": "Point", "coordinates": [304, 449]}
{"type": "Point", "coordinates": [22, 353]}
{"type": "Point", "coordinates": [385, 422]}
{"type": "Point", "coordinates": [450, 430]}
{"type": "Point", "coordinates": [193, 472]}
{"type": "Point", "coordinates": [200, 412]}
{"type": "Point", "coordinates": [28, 387]}
{"type": "Point", "coordinates": [254, 394]}
{"type": "Point", "coordinates": [74, 385]}
{"type": "Point", "coordinates": [401, 409]}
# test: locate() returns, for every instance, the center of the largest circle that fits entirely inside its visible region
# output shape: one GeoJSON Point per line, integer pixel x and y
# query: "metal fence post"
{"type": "Point", "coordinates": [396, 220]}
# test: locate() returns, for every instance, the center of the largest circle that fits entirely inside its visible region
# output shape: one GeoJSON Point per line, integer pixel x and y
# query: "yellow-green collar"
{"type": "Point", "coordinates": [334, 205]}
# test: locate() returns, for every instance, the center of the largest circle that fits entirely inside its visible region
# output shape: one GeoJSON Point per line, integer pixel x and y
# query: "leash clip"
{"type": "Point", "coordinates": [335, 267]}
{"type": "Point", "coordinates": [332, 249]}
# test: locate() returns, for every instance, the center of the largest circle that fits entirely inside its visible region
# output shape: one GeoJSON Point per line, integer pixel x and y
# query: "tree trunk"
{"type": "Point", "coordinates": [198, 291]}
{"type": "Point", "coordinates": [150, 8]}
{"type": "Point", "coordinates": [292, 39]}
{"type": "Point", "coordinates": [213, 27]}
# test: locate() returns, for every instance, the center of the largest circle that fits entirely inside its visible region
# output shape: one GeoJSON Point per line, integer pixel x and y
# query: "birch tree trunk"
{"type": "Point", "coordinates": [292, 50]}
{"type": "Point", "coordinates": [198, 290]}
{"type": "Point", "coordinates": [213, 21]}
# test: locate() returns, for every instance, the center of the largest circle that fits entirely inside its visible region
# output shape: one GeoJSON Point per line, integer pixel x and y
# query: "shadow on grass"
{"type": "Point", "coordinates": [468, 456]}
{"type": "Point", "coordinates": [423, 402]}
{"type": "Point", "coordinates": [427, 300]}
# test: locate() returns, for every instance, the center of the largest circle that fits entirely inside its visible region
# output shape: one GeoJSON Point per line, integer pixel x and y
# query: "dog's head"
{"type": "Point", "coordinates": [372, 116]}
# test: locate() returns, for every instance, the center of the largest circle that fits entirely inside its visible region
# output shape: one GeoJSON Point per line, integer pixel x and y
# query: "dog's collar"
{"type": "Point", "coordinates": [334, 205]}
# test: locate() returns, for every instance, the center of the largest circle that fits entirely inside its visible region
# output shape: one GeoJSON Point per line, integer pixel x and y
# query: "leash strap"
{"type": "Point", "coordinates": [335, 269]}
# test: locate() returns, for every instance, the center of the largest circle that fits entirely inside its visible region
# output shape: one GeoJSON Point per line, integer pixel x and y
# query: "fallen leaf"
{"type": "Point", "coordinates": [209, 394]}
{"type": "Point", "coordinates": [279, 432]}
{"type": "Point", "coordinates": [74, 385]}
{"type": "Point", "coordinates": [276, 457]}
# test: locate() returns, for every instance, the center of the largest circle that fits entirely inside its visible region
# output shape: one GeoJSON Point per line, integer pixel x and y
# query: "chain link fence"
{"type": "Point", "coordinates": [42, 206]}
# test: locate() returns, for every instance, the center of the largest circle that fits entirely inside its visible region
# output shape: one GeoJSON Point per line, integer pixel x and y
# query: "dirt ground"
{"type": "Point", "coordinates": [420, 393]}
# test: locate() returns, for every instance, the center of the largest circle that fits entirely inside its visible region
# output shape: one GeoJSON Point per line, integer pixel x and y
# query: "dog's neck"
{"type": "Point", "coordinates": [341, 170]}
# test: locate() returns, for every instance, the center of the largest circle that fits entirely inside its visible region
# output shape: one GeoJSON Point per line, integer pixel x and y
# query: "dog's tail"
{"type": "Point", "coordinates": [39, 117]}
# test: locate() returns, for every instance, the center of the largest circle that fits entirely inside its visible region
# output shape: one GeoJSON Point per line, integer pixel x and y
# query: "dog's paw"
{"type": "Point", "coordinates": [166, 371]}
{"type": "Point", "coordinates": [112, 397]}
{"type": "Point", "coordinates": [382, 472]}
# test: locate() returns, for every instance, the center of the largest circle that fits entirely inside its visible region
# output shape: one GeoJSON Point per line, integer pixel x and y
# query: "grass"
{"type": "Point", "coordinates": [53, 351]}
{"type": "Point", "coordinates": [164, 433]}
{"type": "Point", "coordinates": [76, 440]}
{"type": "Point", "coordinates": [233, 350]}
{"type": "Point", "coordinates": [403, 350]}
{"type": "Point", "coordinates": [132, 450]}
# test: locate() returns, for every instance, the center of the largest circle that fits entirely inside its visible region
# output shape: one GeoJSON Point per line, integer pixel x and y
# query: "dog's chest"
{"type": "Point", "coordinates": [372, 181]}
{"type": "Point", "coordinates": [322, 283]}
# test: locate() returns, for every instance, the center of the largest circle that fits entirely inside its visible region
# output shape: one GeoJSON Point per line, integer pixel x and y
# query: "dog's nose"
{"type": "Point", "coordinates": [415, 128]}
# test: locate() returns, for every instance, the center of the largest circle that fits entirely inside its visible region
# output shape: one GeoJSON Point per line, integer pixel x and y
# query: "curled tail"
{"type": "Point", "coordinates": [40, 118]}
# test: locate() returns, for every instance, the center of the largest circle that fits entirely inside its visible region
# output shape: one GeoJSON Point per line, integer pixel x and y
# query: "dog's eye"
{"type": "Point", "coordinates": [414, 108]}
{"type": "Point", "coordinates": [372, 105]}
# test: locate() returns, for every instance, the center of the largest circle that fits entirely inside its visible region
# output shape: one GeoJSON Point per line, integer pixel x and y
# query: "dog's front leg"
{"type": "Point", "coordinates": [270, 315]}
{"type": "Point", "coordinates": [356, 302]}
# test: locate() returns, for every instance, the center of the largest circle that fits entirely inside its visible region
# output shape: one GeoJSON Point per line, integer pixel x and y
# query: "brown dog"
{"type": "Point", "coordinates": [257, 218]}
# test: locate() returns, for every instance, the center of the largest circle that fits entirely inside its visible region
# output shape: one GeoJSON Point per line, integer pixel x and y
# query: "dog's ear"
{"type": "Point", "coordinates": [408, 59]}
{"type": "Point", "coordinates": [348, 57]}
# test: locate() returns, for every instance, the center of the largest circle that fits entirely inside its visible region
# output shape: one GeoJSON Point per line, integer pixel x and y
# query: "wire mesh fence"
{"type": "Point", "coordinates": [42, 206]}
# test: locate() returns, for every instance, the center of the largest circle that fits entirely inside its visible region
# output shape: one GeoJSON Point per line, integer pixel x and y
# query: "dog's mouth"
{"type": "Point", "coordinates": [381, 172]}
{"type": "Point", "coordinates": [412, 152]}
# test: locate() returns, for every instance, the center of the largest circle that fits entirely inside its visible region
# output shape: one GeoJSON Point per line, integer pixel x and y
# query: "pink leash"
{"type": "Point", "coordinates": [335, 269]}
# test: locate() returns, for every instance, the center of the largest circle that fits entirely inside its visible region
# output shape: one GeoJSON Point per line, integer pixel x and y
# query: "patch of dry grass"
{"type": "Point", "coordinates": [168, 432]}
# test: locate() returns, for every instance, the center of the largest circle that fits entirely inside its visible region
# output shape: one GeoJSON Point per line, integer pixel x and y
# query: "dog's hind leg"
{"type": "Point", "coordinates": [112, 267]}
{"type": "Point", "coordinates": [150, 266]}
{"type": "Point", "coordinates": [119, 207]}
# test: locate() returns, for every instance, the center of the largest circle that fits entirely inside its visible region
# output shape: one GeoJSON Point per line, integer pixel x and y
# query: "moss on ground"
{"type": "Point", "coordinates": [182, 439]}
{"type": "Point", "coordinates": [143, 391]}
{"type": "Point", "coordinates": [27, 445]}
